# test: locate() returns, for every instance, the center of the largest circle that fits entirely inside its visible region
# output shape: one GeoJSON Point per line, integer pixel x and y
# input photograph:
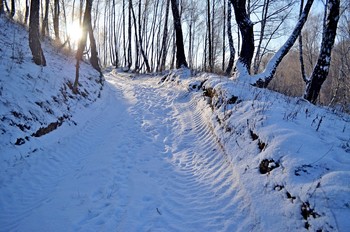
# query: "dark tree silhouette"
{"type": "Point", "coordinates": [13, 8]}
{"type": "Point", "coordinates": [230, 41]}
{"type": "Point", "coordinates": [56, 21]}
{"type": "Point", "coordinates": [1, 7]}
{"type": "Point", "coordinates": [34, 42]}
{"type": "Point", "coordinates": [246, 28]}
{"type": "Point", "coordinates": [180, 51]}
{"type": "Point", "coordinates": [87, 28]}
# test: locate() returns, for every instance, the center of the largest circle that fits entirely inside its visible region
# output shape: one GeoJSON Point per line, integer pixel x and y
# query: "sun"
{"type": "Point", "coordinates": [74, 32]}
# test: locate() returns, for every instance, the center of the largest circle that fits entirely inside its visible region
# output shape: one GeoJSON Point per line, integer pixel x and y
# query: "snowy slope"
{"type": "Point", "coordinates": [34, 99]}
{"type": "Point", "coordinates": [293, 157]}
{"type": "Point", "coordinates": [173, 152]}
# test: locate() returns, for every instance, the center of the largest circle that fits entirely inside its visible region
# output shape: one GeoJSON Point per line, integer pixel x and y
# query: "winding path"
{"type": "Point", "coordinates": [141, 159]}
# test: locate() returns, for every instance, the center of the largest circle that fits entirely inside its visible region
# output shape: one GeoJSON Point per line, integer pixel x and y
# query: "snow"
{"type": "Point", "coordinates": [157, 153]}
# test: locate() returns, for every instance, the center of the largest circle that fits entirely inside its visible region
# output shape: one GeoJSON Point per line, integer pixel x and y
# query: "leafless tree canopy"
{"type": "Point", "coordinates": [278, 42]}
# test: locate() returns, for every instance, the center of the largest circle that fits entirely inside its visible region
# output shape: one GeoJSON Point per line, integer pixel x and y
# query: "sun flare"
{"type": "Point", "coordinates": [74, 32]}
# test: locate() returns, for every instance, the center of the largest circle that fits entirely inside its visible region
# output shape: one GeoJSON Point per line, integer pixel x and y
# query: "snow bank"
{"type": "Point", "coordinates": [290, 153]}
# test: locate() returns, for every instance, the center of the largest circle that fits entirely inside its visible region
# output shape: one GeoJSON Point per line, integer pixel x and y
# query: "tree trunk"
{"type": "Point", "coordinates": [137, 48]}
{"type": "Point", "coordinates": [56, 25]}
{"type": "Point", "coordinates": [180, 51]}
{"type": "Point", "coordinates": [246, 29]}
{"type": "Point", "coordinates": [190, 58]}
{"type": "Point", "coordinates": [129, 40]}
{"type": "Point", "coordinates": [81, 6]}
{"type": "Point", "coordinates": [94, 54]}
{"type": "Point", "coordinates": [143, 53]}
{"type": "Point", "coordinates": [224, 38]}
{"type": "Point", "coordinates": [45, 25]}
{"type": "Point", "coordinates": [230, 41]}
{"type": "Point", "coordinates": [13, 8]}
{"type": "Point", "coordinates": [164, 49]}
{"type": "Point", "coordinates": [173, 54]}
{"type": "Point", "coordinates": [321, 69]}
{"type": "Point", "coordinates": [1, 7]}
{"type": "Point", "coordinates": [34, 42]}
{"type": "Point", "coordinates": [210, 43]}
{"type": "Point", "coordinates": [301, 56]}
{"type": "Point", "coordinates": [116, 63]}
{"type": "Point", "coordinates": [124, 32]}
{"type": "Point", "coordinates": [82, 43]}
{"type": "Point", "coordinates": [26, 14]}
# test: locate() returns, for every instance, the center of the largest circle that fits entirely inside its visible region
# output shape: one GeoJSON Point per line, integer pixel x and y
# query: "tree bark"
{"type": "Point", "coordinates": [230, 41]}
{"type": "Point", "coordinates": [34, 42]}
{"type": "Point", "coordinates": [180, 51]}
{"type": "Point", "coordinates": [246, 28]}
{"type": "Point", "coordinates": [321, 69]}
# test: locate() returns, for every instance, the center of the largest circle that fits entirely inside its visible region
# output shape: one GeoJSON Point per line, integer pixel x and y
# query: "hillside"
{"type": "Point", "coordinates": [176, 151]}
{"type": "Point", "coordinates": [35, 100]}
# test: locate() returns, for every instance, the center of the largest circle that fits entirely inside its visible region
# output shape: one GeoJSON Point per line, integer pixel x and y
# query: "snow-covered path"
{"type": "Point", "coordinates": [141, 159]}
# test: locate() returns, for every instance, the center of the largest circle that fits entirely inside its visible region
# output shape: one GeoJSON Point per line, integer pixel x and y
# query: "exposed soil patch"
{"type": "Point", "coordinates": [267, 166]}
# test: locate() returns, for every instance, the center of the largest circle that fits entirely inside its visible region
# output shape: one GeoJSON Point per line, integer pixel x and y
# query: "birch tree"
{"type": "Point", "coordinates": [321, 69]}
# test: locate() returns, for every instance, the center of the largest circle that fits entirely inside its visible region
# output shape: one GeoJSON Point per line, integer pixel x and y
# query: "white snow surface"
{"type": "Point", "coordinates": [157, 153]}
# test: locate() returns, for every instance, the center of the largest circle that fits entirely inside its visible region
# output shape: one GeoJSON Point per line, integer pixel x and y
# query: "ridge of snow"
{"type": "Point", "coordinates": [310, 144]}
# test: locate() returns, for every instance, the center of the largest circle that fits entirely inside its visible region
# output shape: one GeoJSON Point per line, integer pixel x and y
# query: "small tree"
{"type": "Point", "coordinates": [34, 42]}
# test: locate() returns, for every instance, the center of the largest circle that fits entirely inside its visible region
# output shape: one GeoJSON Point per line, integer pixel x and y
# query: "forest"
{"type": "Point", "coordinates": [298, 48]}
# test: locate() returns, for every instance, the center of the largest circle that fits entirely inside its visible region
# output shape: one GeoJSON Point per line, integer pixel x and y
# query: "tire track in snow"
{"type": "Point", "coordinates": [202, 191]}
{"type": "Point", "coordinates": [152, 165]}
{"type": "Point", "coordinates": [49, 178]}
